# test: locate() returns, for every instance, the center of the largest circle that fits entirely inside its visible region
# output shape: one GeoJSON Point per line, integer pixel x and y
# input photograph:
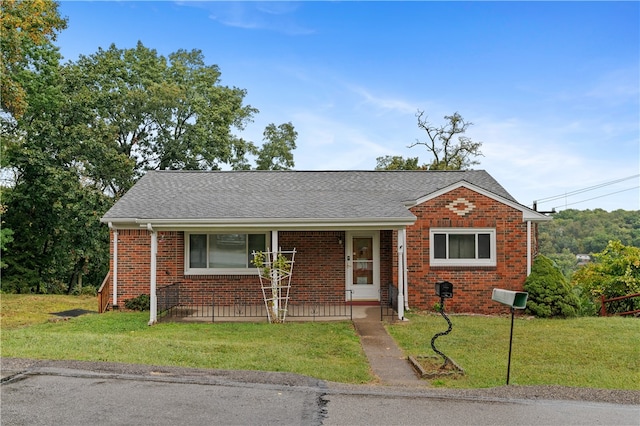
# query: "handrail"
{"type": "Point", "coordinates": [603, 307]}
{"type": "Point", "coordinates": [104, 293]}
{"type": "Point", "coordinates": [168, 297]}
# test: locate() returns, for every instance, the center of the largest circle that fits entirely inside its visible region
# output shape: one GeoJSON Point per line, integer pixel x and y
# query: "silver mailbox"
{"type": "Point", "coordinates": [514, 299]}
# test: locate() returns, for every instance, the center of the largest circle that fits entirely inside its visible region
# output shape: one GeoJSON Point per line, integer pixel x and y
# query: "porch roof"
{"type": "Point", "coordinates": [287, 197]}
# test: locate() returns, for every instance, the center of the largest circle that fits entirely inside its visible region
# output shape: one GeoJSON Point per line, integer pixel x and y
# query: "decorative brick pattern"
{"type": "Point", "coordinates": [461, 206]}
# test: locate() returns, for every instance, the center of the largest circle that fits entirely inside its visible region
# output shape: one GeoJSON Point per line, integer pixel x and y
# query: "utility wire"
{"type": "Point", "coordinates": [595, 198]}
{"type": "Point", "coordinates": [590, 188]}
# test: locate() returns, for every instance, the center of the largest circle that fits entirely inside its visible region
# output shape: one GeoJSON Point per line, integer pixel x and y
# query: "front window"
{"type": "Point", "coordinates": [463, 247]}
{"type": "Point", "coordinates": [222, 253]}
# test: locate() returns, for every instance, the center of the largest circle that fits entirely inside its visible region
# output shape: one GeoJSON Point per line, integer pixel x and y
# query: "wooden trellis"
{"type": "Point", "coordinates": [275, 271]}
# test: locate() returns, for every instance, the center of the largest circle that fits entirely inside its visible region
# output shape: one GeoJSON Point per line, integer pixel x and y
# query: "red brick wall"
{"type": "Point", "coordinates": [133, 263]}
{"type": "Point", "coordinates": [472, 285]}
{"type": "Point", "coordinates": [319, 272]}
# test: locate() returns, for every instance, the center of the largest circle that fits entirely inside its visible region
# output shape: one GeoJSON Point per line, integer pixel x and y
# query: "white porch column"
{"type": "Point", "coordinates": [401, 275]}
{"type": "Point", "coordinates": [274, 244]}
{"type": "Point", "coordinates": [153, 309]}
{"type": "Point", "coordinates": [274, 272]}
{"type": "Point", "coordinates": [528, 247]}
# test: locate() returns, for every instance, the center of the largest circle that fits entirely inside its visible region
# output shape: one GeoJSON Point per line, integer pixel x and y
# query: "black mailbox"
{"type": "Point", "coordinates": [444, 289]}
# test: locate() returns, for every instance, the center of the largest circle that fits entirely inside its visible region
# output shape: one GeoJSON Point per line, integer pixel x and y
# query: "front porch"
{"type": "Point", "coordinates": [178, 302]}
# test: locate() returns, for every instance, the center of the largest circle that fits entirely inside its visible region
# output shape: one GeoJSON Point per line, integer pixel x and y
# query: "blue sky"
{"type": "Point", "coordinates": [553, 88]}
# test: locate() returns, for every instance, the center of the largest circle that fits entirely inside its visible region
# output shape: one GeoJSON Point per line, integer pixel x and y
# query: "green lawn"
{"type": "Point", "coordinates": [581, 352]}
{"type": "Point", "coordinates": [18, 310]}
{"type": "Point", "coordinates": [329, 351]}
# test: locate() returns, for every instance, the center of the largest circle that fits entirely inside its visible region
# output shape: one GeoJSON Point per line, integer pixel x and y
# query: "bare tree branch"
{"type": "Point", "coordinates": [449, 152]}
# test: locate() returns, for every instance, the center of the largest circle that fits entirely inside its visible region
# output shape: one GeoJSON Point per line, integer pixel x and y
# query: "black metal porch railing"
{"type": "Point", "coordinates": [178, 302]}
{"type": "Point", "coordinates": [389, 306]}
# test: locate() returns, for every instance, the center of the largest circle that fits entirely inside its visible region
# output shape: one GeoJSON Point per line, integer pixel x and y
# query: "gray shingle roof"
{"type": "Point", "coordinates": [263, 195]}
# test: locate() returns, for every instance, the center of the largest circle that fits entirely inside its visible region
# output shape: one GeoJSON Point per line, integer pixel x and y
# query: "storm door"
{"type": "Point", "coordinates": [363, 265]}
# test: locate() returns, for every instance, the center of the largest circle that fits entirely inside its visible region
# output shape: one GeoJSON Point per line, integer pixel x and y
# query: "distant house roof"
{"type": "Point", "coordinates": [289, 197]}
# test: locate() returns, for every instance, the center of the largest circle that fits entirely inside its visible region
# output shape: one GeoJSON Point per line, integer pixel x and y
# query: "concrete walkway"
{"type": "Point", "coordinates": [387, 361]}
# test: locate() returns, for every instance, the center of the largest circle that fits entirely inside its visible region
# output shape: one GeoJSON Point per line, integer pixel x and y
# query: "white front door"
{"type": "Point", "coordinates": [363, 265]}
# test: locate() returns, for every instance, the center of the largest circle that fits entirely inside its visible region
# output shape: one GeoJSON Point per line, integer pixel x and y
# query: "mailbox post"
{"type": "Point", "coordinates": [444, 289]}
{"type": "Point", "coordinates": [515, 300]}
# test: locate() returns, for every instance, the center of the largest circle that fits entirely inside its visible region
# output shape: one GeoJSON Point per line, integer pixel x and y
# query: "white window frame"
{"type": "Point", "coordinates": [218, 271]}
{"type": "Point", "coordinates": [491, 261]}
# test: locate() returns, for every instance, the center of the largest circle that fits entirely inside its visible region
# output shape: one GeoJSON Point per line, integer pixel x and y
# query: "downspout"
{"type": "Point", "coordinates": [528, 247]}
{"type": "Point", "coordinates": [404, 270]}
{"type": "Point", "coordinates": [115, 265]}
{"type": "Point", "coordinates": [153, 308]}
{"type": "Point", "coordinates": [401, 284]}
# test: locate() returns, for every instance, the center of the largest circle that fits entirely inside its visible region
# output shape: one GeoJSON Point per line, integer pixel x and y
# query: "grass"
{"type": "Point", "coordinates": [581, 352]}
{"type": "Point", "coordinates": [328, 351]}
{"type": "Point", "coordinates": [19, 310]}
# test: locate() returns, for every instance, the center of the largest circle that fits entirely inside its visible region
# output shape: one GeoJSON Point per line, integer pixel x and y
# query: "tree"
{"type": "Point", "coordinates": [276, 152]}
{"type": "Point", "coordinates": [53, 206]}
{"type": "Point", "coordinates": [88, 131]}
{"type": "Point", "coordinates": [6, 234]}
{"type": "Point", "coordinates": [614, 272]}
{"type": "Point", "coordinates": [589, 231]}
{"type": "Point", "coordinates": [162, 113]}
{"type": "Point", "coordinates": [397, 162]}
{"type": "Point", "coordinates": [449, 153]}
{"type": "Point", "coordinates": [549, 291]}
{"type": "Point", "coordinates": [26, 26]}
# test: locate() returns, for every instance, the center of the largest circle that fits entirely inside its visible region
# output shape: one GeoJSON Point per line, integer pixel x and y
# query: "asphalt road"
{"type": "Point", "coordinates": [137, 395]}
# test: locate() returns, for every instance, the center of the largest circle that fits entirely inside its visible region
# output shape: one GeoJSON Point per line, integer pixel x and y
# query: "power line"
{"type": "Point", "coordinates": [595, 198]}
{"type": "Point", "coordinates": [590, 188]}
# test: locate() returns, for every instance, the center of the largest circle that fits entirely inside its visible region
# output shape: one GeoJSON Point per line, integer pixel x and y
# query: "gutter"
{"type": "Point", "coordinates": [254, 222]}
{"type": "Point", "coordinates": [115, 265]}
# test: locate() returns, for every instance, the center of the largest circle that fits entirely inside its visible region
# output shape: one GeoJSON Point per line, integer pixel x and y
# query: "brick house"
{"type": "Point", "coordinates": [361, 233]}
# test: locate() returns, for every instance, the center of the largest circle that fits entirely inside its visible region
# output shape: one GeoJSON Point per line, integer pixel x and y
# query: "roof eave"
{"type": "Point", "coordinates": [271, 223]}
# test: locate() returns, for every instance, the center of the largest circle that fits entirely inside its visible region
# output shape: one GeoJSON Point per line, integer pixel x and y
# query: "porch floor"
{"type": "Point", "coordinates": [257, 313]}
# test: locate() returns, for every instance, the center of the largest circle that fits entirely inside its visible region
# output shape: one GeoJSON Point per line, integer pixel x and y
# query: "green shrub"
{"type": "Point", "coordinates": [88, 290]}
{"type": "Point", "coordinates": [140, 303]}
{"type": "Point", "coordinates": [549, 291]}
{"type": "Point", "coordinates": [586, 306]}
{"type": "Point", "coordinates": [614, 272]}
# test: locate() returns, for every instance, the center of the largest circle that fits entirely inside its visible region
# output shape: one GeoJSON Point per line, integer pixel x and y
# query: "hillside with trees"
{"type": "Point", "coordinates": [573, 232]}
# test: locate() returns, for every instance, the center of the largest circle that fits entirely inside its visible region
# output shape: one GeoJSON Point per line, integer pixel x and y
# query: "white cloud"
{"type": "Point", "coordinates": [534, 163]}
{"type": "Point", "coordinates": [329, 143]}
{"type": "Point", "coordinates": [617, 87]}
{"type": "Point", "coordinates": [383, 103]}
{"type": "Point", "coordinates": [271, 16]}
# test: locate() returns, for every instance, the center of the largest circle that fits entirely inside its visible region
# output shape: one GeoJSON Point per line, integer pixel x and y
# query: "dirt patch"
{"type": "Point", "coordinates": [431, 367]}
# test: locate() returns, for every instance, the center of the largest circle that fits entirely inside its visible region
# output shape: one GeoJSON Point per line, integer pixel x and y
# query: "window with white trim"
{"type": "Point", "coordinates": [462, 247]}
{"type": "Point", "coordinates": [222, 253]}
